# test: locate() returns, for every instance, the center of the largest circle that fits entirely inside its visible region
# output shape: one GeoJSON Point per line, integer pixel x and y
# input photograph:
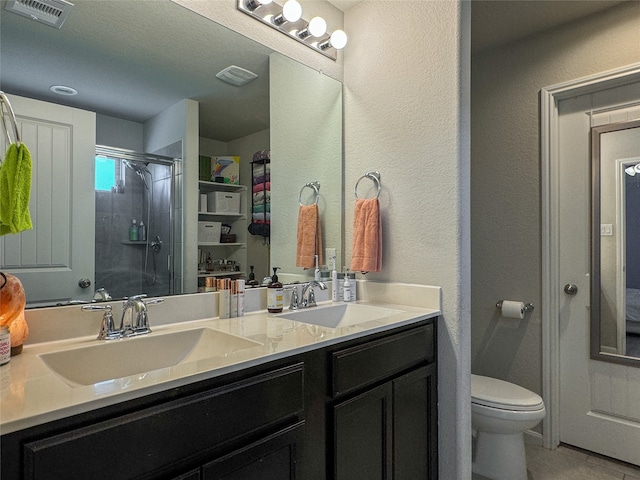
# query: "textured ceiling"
{"type": "Point", "coordinates": [133, 59]}
{"type": "Point", "coordinates": [497, 22]}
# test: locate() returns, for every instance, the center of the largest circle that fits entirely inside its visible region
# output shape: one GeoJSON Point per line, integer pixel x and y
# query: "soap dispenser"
{"type": "Point", "coordinates": [252, 282]}
{"type": "Point", "coordinates": [133, 231]}
{"type": "Point", "coordinates": [275, 292]}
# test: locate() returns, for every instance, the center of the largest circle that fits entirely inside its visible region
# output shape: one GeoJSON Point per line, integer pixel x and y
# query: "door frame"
{"type": "Point", "coordinates": [550, 98]}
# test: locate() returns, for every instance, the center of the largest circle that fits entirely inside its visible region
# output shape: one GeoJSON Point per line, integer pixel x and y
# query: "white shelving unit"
{"type": "Point", "coordinates": [236, 251]}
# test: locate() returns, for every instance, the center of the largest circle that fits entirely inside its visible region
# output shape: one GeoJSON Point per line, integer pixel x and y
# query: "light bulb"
{"type": "Point", "coordinates": [292, 11]}
{"type": "Point", "coordinates": [637, 168]}
{"type": "Point", "coordinates": [253, 4]}
{"type": "Point", "coordinates": [338, 39]}
{"type": "Point", "coordinates": [317, 27]}
{"type": "Point", "coordinates": [631, 171]}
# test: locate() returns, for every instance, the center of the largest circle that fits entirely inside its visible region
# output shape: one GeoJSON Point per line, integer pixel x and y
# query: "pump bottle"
{"type": "Point", "coordinates": [275, 292]}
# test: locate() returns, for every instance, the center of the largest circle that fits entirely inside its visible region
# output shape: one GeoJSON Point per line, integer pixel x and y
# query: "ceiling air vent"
{"type": "Point", "coordinates": [49, 12]}
{"type": "Point", "coordinates": [236, 75]}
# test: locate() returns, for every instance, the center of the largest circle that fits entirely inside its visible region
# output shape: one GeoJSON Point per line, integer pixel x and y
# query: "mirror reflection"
{"type": "Point", "coordinates": [146, 72]}
{"type": "Point", "coordinates": [615, 309]}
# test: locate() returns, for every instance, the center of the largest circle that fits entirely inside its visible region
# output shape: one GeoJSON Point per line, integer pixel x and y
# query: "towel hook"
{"type": "Point", "coordinates": [316, 189]}
{"type": "Point", "coordinates": [375, 176]}
{"type": "Point", "coordinates": [4, 102]}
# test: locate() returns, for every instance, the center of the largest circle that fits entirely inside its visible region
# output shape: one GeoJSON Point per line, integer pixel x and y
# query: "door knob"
{"type": "Point", "coordinates": [84, 283]}
{"type": "Point", "coordinates": [570, 289]}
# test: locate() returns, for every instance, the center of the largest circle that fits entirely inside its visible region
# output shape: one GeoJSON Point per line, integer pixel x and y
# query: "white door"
{"type": "Point", "coordinates": [599, 401]}
{"type": "Point", "coordinates": [58, 252]}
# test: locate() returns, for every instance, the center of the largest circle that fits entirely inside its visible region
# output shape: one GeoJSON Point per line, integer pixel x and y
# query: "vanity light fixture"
{"type": "Point", "coordinates": [288, 19]}
{"type": "Point", "coordinates": [253, 4]}
{"type": "Point", "coordinates": [291, 12]}
{"type": "Point", "coordinates": [338, 40]}
{"type": "Point", "coordinates": [317, 27]}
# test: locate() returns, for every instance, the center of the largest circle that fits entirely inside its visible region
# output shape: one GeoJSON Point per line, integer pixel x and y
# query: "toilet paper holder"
{"type": "Point", "coordinates": [528, 307]}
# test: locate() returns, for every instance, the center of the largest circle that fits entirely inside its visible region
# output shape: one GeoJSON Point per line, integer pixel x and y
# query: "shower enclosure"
{"type": "Point", "coordinates": [134, 186]}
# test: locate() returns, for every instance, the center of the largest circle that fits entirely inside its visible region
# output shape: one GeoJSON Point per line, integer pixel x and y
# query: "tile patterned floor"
{"type": "Point", "coordinates": [568, 463]}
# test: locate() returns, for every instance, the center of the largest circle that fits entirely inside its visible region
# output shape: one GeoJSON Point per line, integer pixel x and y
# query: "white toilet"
{"type": "Point", "coordinates": [500, 413]}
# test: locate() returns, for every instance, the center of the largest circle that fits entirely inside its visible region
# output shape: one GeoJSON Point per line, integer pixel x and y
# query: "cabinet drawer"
{"type": "Point", "coordinates": [144, 441]}
{"type": "Point", "coordinates": [375, 361]}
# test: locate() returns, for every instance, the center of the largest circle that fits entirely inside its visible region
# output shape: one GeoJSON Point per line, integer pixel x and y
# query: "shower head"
{"type": "Point", "coordinates": [140, 168]}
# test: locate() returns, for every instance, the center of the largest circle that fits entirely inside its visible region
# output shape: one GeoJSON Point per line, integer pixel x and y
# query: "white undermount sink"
{"type": "Point", "coordinates": [113, 359]}
{"type": "Point", "coordinates": [340, 315]}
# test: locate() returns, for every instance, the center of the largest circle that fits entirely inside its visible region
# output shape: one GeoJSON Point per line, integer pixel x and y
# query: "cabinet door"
{"type": "Point", "coordinates": [415, 425]}
{"type": "Point", "coordinates": [363, 436]}
{"type": "Point", "coordinates": [272, 458]}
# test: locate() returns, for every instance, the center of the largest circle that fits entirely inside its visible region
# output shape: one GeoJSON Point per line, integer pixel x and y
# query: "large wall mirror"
{"type": "Point", "coordinates": [615, 277]}
{"type": "Point", "coordinates": [135, 64]}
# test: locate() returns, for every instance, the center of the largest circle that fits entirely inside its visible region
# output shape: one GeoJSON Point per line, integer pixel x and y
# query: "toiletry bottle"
{"type": "Point", "coordinates": [346, 288]}
{"type": "Point", "coordinates": [233, 300]}
{"type": "Point", "coordinates": [252, 282]}
{"type": "Point", "coordinates": [224, 295]}
{"type": "Point", "coordinates": [142, 232]}
{"type": "Point", "coordinates": [133, 231]}
{"type": "Point", "coordinates": [316, 275]}
{"type": "Point", "coordinates": [275, 292]}
{"type": "Point", "coordinates": [334, 280]}
{"type": "Point", "coordinates": [354, 285]}
{"type": "Point", "coordinates": [240, 284]}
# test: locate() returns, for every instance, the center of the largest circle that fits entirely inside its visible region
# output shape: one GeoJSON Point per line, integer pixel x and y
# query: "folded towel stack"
{"type": "Point", "coordinates": [261, 155]}
{"type": "Point", "coordinates": [262, 179]}
{"type": "Point", "coordinates": [260, 196]}
{"type": "Point", "coordinates": [367, 236]}
{"type": "Point", "coordinates": [309, 237]}
{"type": "Point", "coordinates": [261, 207]}
{"type": "Point", "coordinates": [261, 170]}
{"type": "Point", "coordinates": [262, 187]}
{"type": "Point", "coordinates": [15, 189]}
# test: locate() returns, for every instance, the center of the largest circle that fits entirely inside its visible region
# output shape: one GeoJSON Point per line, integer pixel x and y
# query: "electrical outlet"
{"type": "Point", "coordinates": [329, 254]}
{"type": "Point", "coordinates": [606, 230]}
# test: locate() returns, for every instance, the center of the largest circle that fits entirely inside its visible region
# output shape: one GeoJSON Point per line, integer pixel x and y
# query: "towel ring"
{"type": "Point", "coordinates": [4, 102]}
{"type": "Point", "coordinates": [316, 189]}
{"type": "Point", "coordinates": [375, 176]}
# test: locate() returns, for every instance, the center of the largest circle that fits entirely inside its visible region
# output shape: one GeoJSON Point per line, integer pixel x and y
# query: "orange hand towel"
{"type": "Point", "coordinates": [367, 236]}
{"type": "Point", "coordinates": [309, 237]}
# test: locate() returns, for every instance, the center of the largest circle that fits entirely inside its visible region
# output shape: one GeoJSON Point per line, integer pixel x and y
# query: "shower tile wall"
{"type": "Point", "coordinates": [120, 267]}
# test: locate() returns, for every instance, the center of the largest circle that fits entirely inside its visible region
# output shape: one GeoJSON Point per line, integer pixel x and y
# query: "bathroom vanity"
{"type": "Point", "coordinates": [305, 402]}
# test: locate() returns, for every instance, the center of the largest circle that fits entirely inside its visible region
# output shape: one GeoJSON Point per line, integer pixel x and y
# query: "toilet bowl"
{"type": "Point", "coordinates": [500, 413]}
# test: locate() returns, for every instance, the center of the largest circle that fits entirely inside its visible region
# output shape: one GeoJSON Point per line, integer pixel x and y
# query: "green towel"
{"type": "Point", "coordinates": [15, 189]}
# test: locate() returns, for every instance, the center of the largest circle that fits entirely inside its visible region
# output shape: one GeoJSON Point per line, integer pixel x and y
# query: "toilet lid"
{"type": "Point", "coordinates": [495, 393]}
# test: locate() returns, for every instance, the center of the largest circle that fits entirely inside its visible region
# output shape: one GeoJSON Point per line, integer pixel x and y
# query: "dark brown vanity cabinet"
{"type": "Point", "coordinates": [362, 408]}
{"type": "Point", "coordinates": [386, 426]}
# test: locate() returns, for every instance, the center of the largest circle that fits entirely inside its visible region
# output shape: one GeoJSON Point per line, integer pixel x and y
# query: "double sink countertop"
{"type": "Point", "coordinates": [32, 393]}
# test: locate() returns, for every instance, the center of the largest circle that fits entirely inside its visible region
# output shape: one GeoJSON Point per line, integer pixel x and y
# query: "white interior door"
{"type": "Point", "coordinates": [599, 401]}
{"type": "Point", "coordinates": [51, 258]}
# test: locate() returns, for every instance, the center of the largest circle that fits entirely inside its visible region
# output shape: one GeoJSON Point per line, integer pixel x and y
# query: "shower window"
{"type": "Point", "coordinates": [108, 174]}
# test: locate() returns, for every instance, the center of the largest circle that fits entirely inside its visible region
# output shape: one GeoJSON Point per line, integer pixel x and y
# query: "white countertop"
{"type": "Point", "coordinates": [32, 394]}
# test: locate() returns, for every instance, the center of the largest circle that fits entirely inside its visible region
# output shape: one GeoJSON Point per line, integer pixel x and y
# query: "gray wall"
{"type": "Point", "coordinates": [505, 177]}
{"type": "Point", "coordinates": [406, 96]}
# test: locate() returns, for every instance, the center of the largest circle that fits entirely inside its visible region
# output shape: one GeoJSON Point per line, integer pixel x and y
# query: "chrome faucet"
{"type": "Point", "coordinates": [135, 320]}
{"type": "Point", "coordinates": [101, 295]}
{"type": "Point", "coordinates": [310, 299]}
{"type": "Point", "coordinates": [294, 304]}
{"type": "Point", "coordinates": [107, 329]}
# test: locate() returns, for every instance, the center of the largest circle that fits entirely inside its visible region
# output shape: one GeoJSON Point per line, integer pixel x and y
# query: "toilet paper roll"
{"type": "Point", "coordinates": [203, 202]}
{"type": "Point", "coordinates": [511, 309]}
